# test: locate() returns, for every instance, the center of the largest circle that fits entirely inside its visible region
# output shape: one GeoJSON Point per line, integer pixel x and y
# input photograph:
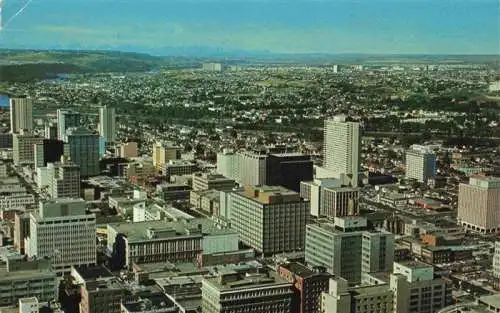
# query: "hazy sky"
{"type": "Point", "coordinates": [291, 26]}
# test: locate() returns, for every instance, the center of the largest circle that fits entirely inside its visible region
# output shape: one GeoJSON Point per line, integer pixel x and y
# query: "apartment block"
{"type": "Point", "coordinates": [420, 163]}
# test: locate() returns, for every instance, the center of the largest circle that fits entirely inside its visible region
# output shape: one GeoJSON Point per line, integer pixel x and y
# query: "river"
{"type": "Point", "coordinates": [4, 101]}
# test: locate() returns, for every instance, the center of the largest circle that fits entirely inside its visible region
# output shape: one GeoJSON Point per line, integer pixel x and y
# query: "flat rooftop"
{"type": "Point", "coordinates": [244, 281]}
{"type": "Point", "coordinates": [298, 269]}
{"type": "Point", "coordinates": [138, 231]}
{"type": "Point", "coordinates": [414, 264]}
{"type": "Point", "coordinates": [94, 272]}
{"type": "Point", "coordinates": [370, 289]}
{"type": "Point", "coordinates": [270, 194]}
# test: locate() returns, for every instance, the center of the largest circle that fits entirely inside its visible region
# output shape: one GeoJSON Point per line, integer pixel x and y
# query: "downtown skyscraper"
{"type": "Point", "coordinates": [341, 149]}
{"type": "Point", "coordinates": [107, 124]}
{"type": "Point", "coordinates": [21, 114]}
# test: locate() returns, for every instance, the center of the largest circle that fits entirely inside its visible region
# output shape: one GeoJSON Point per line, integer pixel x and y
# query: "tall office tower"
{"type": "Point", "coordinates": [417, 289]}
{"type": "Point", "coordinates": [62, 231]}
{"type": "Point", "coordinates": [84, 150]}
{"type": "Point", "coordinates": [107, 124]}
{"type": "Point", "coordinates": [164, 152]}
{"type": "Point", "coordinates": [227, 164]}
{"type": "Point", "coordinates": [50, 131]}
{"type": "Point", "coordinates": [420, 163]}
{"type": "Point", "coordinates": [251, 293]}
{"type": "Point", "coordinates": [23, 146]}
{"type": "Point", "coordinates": [288, 170]}
{"type": "Point", "coordinates": [329, 199]}
{"type": "Point", "coordinates": [49, 151]}
{"type": "Point", "coordinates": [269, 219]}
{"type": "Point", "coordinates": [66, 119]}
{"type": "Point", "coordinates": [63, 180]}
{"type": "Point", "coordinates": [21, 114]}
{"type": "Point", "coordinates": [342, 298]}
{"type": "Point", "coordinates": [479, 204]}
{"type": "Point", "coordinates": [351, 249]}
{"type": "Point", "coordinates": [251, 168]}
{"type": "Point", "coordinates": [342, 149]}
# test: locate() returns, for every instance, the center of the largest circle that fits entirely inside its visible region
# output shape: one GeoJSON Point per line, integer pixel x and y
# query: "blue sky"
{"type": "Point", "coordinates": [293, 26]}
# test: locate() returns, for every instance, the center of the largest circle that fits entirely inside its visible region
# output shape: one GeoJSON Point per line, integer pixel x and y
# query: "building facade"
{"type": "Point", "coordinates": [270, 219]}
{"type": "Point", "coordinates": [107, 124]}
{"type": "Point", "coordinates": [62, 231]}
{"type": "Point", "coordinates": [66, 119]}
{"type": "Point", "coordinates": [23, 147]}
{"type": "Point", "coordinates": [21, 114]}
{"type": "Point", "coordinates": [341, 150]}
{"type": "Point", "coordinates": [420, 164]}
{"type": "Point", "coordinates": [84, 150]}
{"type": "Point", "coordinates": [479, 204]}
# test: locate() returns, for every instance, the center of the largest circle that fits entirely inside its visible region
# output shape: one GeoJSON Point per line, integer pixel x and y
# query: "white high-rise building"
{"type": "Point", "coordinates": [21, 114]}
{"type": "Point", "coordinates": [420, 163]}
{"type": "Point", "coordinates": [227, 164]}
{"type": "Point", "coordinates": [328, 198]}
{"type": "Point", "coordinates": [251, 168]}
{"type": "Point", "coordinates": [341, 149]}
{"type": "Point", "coordinates": [66, 119]}
{"type": "Point", "coordinates": [84, 150]}
{"type": "Point", "coordinates": [62, 231]}
{"type": "Point", "coordinates": [107, 124]}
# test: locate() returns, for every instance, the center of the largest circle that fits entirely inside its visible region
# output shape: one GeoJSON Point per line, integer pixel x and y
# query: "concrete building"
{"type": "Point", "coordinates": [341, 150]}
{"type": "Point", "coordinates": [229, 291]}
{"type": "Point", "coordinates": [23, 146]}
{"type": "Point", "coordinates": [329, 199]}
{"type": "Point", "coordinates": [205, 181]}
{"type": "Point", "coordinates": [420, 163]}
{"type": "Point", "coordinates": [178, 167]}
{"type": "Point", "coordinates": [107, 124]}
{"type": "Point", "coordinates": [83, 148]}
{"type": "Point", "coordinates": [126, 150]}
{"type": "Point", "coordinates": [16, 201]}
{"type": "Point", "coordinates": [212, 67]}
{"type": "Point", "coordinates": [164, 152]}
{"type": "Point", "coordinates": [50, 131]}
{"type": "Point", "coordinates": [29, 305]}
{"type": "Point", "coordinates": [479, 204]}
{"type": "Point", "coordinates": [288, 170]}
{"type": "Point", "coordinates": [153, 241]}
{"type": "Point", "coordinates": [227, 164]}
{"type": "Point", "coordinates": [63, 180]}
{"type": "Point", "coordinates": [62, 231]}
{"type": "Point", "coordinates": [269, 219]}
{"type": "Point", "coordinates": [66, 119]}
{"type": "Point", "coordinates": [21, 114]}
{"type": "Point", "coordinates": [416, 288]}
{"type": "Point", "coordinates": [251, 168]}
{"type": "Point", "coordinates": [309, 283]}
{"type": "Point", "coordinates": [21, 230]}
{"type": "Point", "coordinates": [100, 290]}
{"type": "Point", "coordinates": [27, 279]}
{"type": "Point", "coordinates": [154, 302]}
{"type": "Point", "coordinates": [496, 265]}
{"type": "Point", "coordinates": [341, 298]}
{"type": "Point", "coordinates": [346, 249]}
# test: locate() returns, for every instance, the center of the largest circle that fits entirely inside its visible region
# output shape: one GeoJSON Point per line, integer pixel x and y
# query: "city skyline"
{"type": "Point", "coordinates": [249, 26]}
